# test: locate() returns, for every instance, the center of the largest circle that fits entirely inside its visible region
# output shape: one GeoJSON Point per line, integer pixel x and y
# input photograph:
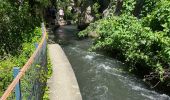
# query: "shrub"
{"type": "Point", "coordinates": [159, 19]}
{"type": "Point", "coordinates": [16, 23]}
{"type": "Point", "coordinates": [19, 60]}
{"type": "Point", "coordinates": [143, 50]}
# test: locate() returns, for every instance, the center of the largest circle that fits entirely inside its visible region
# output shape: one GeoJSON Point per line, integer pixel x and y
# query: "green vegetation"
{"type": "Point", "coordinates": [144, 44]}
{"type": "Point", "coordinates": [49, 66]}
{"type": "Point", "coordinates": [20, 29]}
{"type": "Point", "coordinates": [19, 60]}
{"type": "Point", "coordinates": [17, 22]}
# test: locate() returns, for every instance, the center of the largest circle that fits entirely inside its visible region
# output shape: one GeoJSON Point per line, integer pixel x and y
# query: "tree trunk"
{"type": "Point", "coordinates": [138, 8]}
{"type": "Point", "coordinates": [119, 5]}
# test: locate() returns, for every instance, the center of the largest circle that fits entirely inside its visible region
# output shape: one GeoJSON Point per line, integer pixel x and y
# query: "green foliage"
{"type": "Point", "coordinates": [43, 3]}
{"type": "Point", "coordinates": [128, 6]}
{"type": "Point", "coordinates": [18, 34]}
{"type": "Point", "coordinates": [68, 14]}
{"type": "Point", "coordinates": [19, 60]}
{"type": "Point", "coordinates": [92, 28]}
{"type": "Point", "coordinates": [159, 19]}
{"type": "Point", "coordinates": [144, 44]}
{"type": "Point", "coordinates": [63, 3]}
{"type": "Point", "coordinates": [49, 66]}
{"type": "Point", "coordinates": [148, 6]}
{"type": "Point", "coordinates": [95, 10]}
{"type": "Point", "coordinates": [46, 94]}
{"type": "Point", "coordinates": [17, 21]}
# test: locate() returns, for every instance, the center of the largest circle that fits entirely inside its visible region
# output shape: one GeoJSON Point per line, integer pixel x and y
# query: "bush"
{"type": "Point", "coordinates": [142, 49]}
{"type": "Point", "coordinates": [159, 19]}
{"type": "Point", "coordinates": [18, 33]}
{"type": "Point", "coordinates": [16, 23]}
{"type": "Point", "coordinates": [19, 60]}
{"type": "Point", "coordinates": [148, 6]}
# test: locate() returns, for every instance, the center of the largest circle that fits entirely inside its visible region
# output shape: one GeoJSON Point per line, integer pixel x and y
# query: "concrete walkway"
{"type": "Point", "coordinates": [63, 84]}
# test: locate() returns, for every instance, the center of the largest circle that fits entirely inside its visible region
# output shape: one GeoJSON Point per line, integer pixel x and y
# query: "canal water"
{"type": "Point", "coordinates": [101, 77]}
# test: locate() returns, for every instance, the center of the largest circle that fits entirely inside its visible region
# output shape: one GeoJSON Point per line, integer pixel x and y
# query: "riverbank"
{"type": "Point", "coordinates": [144, 51]}
{"type": "Point", "coordinates": [100, 77]}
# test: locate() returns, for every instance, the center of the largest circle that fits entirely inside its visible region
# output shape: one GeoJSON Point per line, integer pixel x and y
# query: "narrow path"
{"type": "Point", "coordinates": [63, 84]}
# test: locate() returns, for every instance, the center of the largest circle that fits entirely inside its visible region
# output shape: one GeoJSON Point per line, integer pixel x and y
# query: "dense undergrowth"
{"type": "Point", "coordinates": [143, 41]}
{"type": "Point", "coordinates": [7, 64]}
{"type": "Point", "coordinates": [20, 29]}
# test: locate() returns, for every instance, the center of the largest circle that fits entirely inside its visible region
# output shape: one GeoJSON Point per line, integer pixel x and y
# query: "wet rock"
{"type": "Point", "coordinates": [93, 34]}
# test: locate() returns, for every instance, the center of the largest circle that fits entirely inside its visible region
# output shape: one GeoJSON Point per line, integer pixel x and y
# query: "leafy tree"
{"type": "Point", "coordinates": [17, 21]}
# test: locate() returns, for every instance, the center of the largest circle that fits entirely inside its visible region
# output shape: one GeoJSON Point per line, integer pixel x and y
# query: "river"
{"type": "Point", "coordinates": [101, 77]}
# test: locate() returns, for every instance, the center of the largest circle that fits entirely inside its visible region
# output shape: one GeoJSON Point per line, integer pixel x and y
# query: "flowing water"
{"type": "Point", "coordinates": [101, 77]}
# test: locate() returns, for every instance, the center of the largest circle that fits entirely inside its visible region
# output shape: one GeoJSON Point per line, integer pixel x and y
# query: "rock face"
{"type": "Point", "coordinates": [83, 13]}
{"type": "Point", "coordinates": [88, 17]}
{"type": "Point", "coordinates": [105, 13]}
{"type": "Point", "coordinates": [86, 12]}
{"type": "Point", "coordinates": [86, 20]}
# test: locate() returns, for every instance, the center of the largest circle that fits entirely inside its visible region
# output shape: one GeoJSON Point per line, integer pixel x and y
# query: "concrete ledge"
{"type": "Point", "coordinates": [63, 83]}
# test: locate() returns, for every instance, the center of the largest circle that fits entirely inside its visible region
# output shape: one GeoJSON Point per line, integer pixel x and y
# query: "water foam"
{"type": "Point", "coordinates": [147, 96]}
{"type": "Point", "coordinates": [89, 57]}
{"type": "Point", "coordinates": [150, 94]}
{"type": "Point", "coordinates": [105, 66]}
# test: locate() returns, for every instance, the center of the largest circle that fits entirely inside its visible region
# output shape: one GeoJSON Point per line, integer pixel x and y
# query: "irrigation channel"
{"type": "Point", "coordinates": [100, 77]}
